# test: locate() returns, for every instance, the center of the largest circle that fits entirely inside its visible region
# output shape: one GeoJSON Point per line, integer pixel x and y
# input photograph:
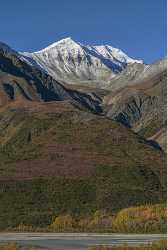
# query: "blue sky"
{"type": "Point", "coordinates": [139, 27]}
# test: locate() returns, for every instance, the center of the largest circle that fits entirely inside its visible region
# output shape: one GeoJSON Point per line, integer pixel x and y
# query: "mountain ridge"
{"type": "Point", "coordinates": [19, 79]}
{"type": "Point", "coordinates": [72, 61]}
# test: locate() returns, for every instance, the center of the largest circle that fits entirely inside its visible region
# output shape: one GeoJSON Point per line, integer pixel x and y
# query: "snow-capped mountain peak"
{"type": "Point", "coordinates": [112, 53]}
{"type": "Point", "coordinates": [64, 43]}
{"type": "Point", "coordinates": [73, 61]}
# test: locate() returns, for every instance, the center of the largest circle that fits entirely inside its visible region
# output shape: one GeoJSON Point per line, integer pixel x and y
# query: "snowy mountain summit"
{"type": "Point", "coordinates": [74, 62]}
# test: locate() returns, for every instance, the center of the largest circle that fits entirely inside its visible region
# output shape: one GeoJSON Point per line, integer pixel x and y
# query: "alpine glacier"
{"type": "Point", "coordinates": [73, 62]}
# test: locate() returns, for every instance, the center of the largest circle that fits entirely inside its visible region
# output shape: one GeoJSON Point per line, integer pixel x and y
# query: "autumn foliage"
{"type": "Point", "coordinates": [142, 219]}
{"type": "Point", "coordinates": [149, 218]}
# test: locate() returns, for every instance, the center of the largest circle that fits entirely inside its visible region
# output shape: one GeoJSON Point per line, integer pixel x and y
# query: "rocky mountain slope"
{"type": "Point", "coordinates": [20, 81]}
{"type": "Point", "coordinates": [137, 73]}
{"type": "Point", "coordinates": [73, 62]}
{"type": "Point", "coordinates": [142, 104]}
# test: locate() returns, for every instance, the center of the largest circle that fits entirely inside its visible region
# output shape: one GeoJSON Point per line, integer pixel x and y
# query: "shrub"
{"type": "Point", "coordinates": [148, 218]}
{"type": "Point", "coordinates": [63, 223]}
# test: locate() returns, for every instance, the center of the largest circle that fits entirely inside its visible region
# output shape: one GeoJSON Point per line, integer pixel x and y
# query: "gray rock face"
{"type": "Point", "coordinates": [137, 74]}
{"type": "Point", "coordinates": [133, 109]}
{"type": "Point", "coordinates": [141, 106]}
{"type": "Point", "coordinates": [127, 77]}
